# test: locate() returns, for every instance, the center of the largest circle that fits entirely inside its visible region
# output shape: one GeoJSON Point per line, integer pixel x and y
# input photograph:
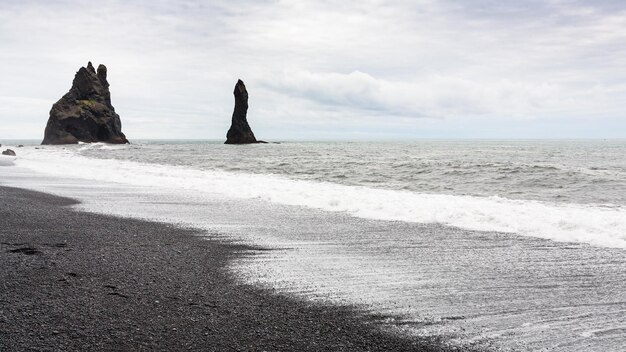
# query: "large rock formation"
{"type": "Point", "coordinates": [240, 132]}
{"type": "Point", "coordinates": [85, 113]}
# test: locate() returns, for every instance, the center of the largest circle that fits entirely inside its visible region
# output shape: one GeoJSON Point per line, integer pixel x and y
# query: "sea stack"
{"type": "Point", "coordinates": [240, 132]}
{"type": "Point", "coordinates": [85, 113]}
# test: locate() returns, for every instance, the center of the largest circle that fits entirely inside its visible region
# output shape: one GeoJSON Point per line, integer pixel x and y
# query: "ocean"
{"type": "Point", "coordinates": [509, 245]}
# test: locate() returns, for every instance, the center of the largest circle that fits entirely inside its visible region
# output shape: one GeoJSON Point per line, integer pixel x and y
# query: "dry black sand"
{"type": "Point", "coordinates": [74, 281]}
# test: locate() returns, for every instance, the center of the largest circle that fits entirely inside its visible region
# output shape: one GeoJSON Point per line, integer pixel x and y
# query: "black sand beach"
{"type": "Point", "coordinates": [74, 281]}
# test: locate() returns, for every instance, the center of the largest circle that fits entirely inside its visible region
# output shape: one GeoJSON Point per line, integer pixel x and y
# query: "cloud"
{"type": "Point", "coordinates": [356, 67]}
{"type": "Point", "coordinates": [433, 96]}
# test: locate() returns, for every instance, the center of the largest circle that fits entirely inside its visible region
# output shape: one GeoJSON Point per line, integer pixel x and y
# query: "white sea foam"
{"type": "Point", "coordinates": [7, 160]}
{"type": "Point", "coordinates": [596, 225]}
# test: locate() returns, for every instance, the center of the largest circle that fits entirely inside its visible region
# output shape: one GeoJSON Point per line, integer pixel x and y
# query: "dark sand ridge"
{"type": "Point", "coordinates": [79, 281]}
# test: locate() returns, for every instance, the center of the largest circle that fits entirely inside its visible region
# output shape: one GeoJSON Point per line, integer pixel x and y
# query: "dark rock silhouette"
{"type": "Point", "coordinates": [8, 152]}
{"type": "Point", "coordinates": [85, 113]}
{"type": "Point", "coordinates": [240, 132]}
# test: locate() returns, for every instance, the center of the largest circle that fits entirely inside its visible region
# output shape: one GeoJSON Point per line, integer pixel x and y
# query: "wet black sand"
{"type": "Point", "coordinates": [73, 281]}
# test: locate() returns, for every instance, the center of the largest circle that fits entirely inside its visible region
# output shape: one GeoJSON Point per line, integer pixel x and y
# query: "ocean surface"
{"type": "Point", "coordinates": [506, 245]}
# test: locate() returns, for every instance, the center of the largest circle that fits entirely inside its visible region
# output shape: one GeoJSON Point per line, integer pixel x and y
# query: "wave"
{"type": "Point", "coordinates": [592, 224]}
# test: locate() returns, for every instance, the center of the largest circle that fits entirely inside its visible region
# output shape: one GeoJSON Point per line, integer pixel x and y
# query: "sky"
{"type": "Point", "coordinates": [325, 70]}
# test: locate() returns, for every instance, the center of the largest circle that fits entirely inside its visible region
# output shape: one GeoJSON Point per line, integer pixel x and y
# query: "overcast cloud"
{"type": "Point", "coordinates": [325, 69]}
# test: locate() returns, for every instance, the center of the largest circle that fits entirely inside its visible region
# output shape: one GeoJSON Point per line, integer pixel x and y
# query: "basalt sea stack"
{"type": "Point", "coordinates": [240, 132]}
{"type": "Point", "coordinates": [85, 113]}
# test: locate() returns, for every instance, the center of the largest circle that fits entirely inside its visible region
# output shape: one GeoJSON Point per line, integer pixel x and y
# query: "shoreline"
{"type": "Point", "coordinates": [83, 281]}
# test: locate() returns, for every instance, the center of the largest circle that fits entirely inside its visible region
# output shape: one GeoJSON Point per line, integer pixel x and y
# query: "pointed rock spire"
{"type": "Point", "coordinates": [102, 75]}
{"type": "Point", "coordinates": [85, 113]}
{"type": "Point", "coordinates": [240, 132]}
{"type": "Point", "coordinates": [90, 67]}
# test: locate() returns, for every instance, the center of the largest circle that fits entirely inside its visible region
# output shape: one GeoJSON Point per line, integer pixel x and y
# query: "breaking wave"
{"type": "Point", "coordinates": [593, 224]}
